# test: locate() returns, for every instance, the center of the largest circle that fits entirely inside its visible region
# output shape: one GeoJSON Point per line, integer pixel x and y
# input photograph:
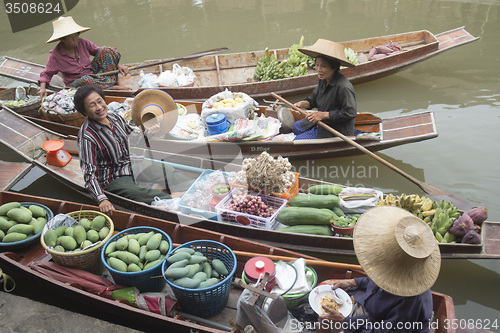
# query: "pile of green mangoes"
{"type": "Point", "coordinates": [78, 237]}
{"type": "Point", "coordinates": [18, 223]}
{"type": "Point", "coordinates": [191, 269]}
{"type": "Point", "coordinates": [136, 252]}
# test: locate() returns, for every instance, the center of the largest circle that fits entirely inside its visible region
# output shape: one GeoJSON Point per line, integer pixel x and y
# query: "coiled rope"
{"type": "Point", "coordinates": [5, 280]}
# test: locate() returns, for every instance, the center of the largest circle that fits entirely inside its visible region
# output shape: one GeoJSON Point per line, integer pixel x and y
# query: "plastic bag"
{"type": "Point", "coordinates": [184, 75]}
{"type": "Point", "coordinates": [166, 204]}
{"type": "Point", "coordinates": [149, 80]}
{"type": "Point", "coordinates": [291, 277]}
{"type": "Point", "coordinates": [167, 79]}
{"type": "Point", "coordinates": [242, 110]}
{"type": "Point", "coordinates": [357, 200]}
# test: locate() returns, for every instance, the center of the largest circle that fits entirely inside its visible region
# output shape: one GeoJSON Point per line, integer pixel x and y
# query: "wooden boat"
{"type": "Point", "coordinates": [378, 134]}
{"type": "Point", "coordinates": [12, 172]}
{"type": "Point", "coordinates": [17, 264]}
{"type": "Point", "coordinates": [235, 71]}
{"type": "Point", "coordinates": [25, 137]}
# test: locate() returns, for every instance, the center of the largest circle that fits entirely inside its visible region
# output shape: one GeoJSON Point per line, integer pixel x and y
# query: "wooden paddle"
{"type": "Point", "coordinates": [189, 56]}
{"type": "Point", "coordinates": [434, 191]}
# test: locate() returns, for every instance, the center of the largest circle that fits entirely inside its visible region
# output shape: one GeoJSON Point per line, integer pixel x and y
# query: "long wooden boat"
{"type": "Point", "coordinates": [17, 263]}
{"type": "Point", "coordinates": [235, 71]}
{"type": "Point", "coordinates": [378, 134]}
{"type": "Point", "coordinates": [26, 138]}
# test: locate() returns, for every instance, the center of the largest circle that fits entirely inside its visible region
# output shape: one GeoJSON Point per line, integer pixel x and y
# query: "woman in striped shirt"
{"type": "Point", "coordinates": [103, 147]}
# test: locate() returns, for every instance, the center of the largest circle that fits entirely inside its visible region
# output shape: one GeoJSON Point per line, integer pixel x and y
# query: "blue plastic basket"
{"type": "Point", "coordinates": [31, 240]}
{"type": "Point", "coordinates": [147, 280]}
{"type": "Point", "coordinates": [206, 302]}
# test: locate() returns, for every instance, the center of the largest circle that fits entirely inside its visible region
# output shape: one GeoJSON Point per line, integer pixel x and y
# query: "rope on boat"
{"type": "Point", "coordinates": [5, 280]}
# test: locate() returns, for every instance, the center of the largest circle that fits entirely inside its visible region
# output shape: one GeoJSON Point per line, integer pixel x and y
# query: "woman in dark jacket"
{"type": "Point", "coordinates": [334, 97]}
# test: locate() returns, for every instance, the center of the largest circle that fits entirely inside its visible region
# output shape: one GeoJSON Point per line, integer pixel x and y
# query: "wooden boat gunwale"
{"type": "Point", "coordinates": [306, 243]}
{"type": "Point", "coordinates": [364, 72]}
{"type": "Point", "coordinates": [20, 260]}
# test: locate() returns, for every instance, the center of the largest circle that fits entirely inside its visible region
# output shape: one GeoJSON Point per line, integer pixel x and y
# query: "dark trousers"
{"type": "Point", "coordinates": [147, 171]}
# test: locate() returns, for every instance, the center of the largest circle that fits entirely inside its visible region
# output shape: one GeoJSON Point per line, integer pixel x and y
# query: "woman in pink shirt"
{"type": "Point", "coordinates": [71, 57]}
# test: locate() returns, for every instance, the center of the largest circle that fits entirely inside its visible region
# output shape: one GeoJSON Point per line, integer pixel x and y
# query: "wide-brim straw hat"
{"type": "Point", "coordinates": [397, 250]}
{"type": "Point", "coordinates": [65, 26]}
{"type": "Point", "coordinates": [328, 49]}
{"type": "Point", "coordinates": [153, 106]}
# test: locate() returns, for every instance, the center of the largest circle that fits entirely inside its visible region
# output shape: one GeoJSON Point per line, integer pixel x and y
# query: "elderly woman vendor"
{"type": "Point", "coordinates": [334, 96]}
{"type": "Point", "coordinates": [401, 257]}
{"type": "Point", "coordinates": [71, 57]}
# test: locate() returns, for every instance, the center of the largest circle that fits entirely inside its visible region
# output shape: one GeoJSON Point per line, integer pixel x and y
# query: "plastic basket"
{"type": "Point", "coordinates": [206, 302]}
{"type": "Point", "coordinates": [88, 259]}
{"type": "Point", "coordinates": [226, 215]}
{"type": "Point", "coordinates": [148, 280]}
{"type": "Point", "coordinates": [211, 215]}
{"type": "Point", "coordinates": [31, 240]}
{"type": "Point", "coordinates": [288, 195]}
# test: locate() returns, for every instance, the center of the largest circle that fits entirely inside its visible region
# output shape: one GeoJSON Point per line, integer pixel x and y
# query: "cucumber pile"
{"type": "Point", "coordinates": [18, 223]}
{"type": "Point", "coordinates": [191, 269]}
{"type": "Point", "coordinates": [314, 212]}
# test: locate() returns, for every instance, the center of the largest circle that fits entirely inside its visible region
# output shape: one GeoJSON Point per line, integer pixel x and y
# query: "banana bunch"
{"type": "Point", "coordinates": [267, 67]}
{"type": "Point", "coordinates": [444, 216]}
{"type": "Point", "coordinates": [438, 215]}
{"type": "Point", "coordinates": [351, 56]}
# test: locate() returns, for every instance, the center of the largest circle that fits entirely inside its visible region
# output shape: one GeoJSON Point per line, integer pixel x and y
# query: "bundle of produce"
{"type": "Point", "coordinates": [266, 174]}
{"type": "Point", "coordinates": [441, 216]}
{"type": "Point", "coordinates": [351, 56]}
{"type": "Point", "coordinates": [21, 221]}
{"type": "Point", "coordinates": [191, 269]}
{"type": "Point", "coordinates": [314, 212]}
{"type": "Point", "coordinates": [296, 63]}
{"type": "Point", "coordinates": [383, 51]}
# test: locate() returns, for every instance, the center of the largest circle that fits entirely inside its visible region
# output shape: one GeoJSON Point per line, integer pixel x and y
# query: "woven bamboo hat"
{"type": "Point", "coordinates": [397, 250]}
{"type": "Point", "coordinates": [65, 26]}
{"type": "Point", "coordinates": [152, 106]}
{"type": "Point", "coordinates": [328, 49]}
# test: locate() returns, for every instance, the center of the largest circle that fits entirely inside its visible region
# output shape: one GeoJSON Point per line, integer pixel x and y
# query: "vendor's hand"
{"type": "Point", "coordinates": [332, 314]}
{"type": "Point", "coordinates": [42, 93]}
{"type": "Point", "coordinates": [316, 116]}
{"type": "Point", "coordinates": [123, 69]}
{"type": "Point", "coordinates": [302, 104]}
{"type": "Point", "coordinates": [344, 284]}
{"type": "Point", "coordinates": [176, 194]}
{"type": "Point", "coordinates": [106, 207]}
{"type": "Point", "coordinates": [153, 129]}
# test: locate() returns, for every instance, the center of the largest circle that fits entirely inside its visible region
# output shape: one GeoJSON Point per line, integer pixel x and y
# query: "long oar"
{"type": "Point", "coordinates": [189, 56]}
{"type": "Point", "coordinates": [434, 191]}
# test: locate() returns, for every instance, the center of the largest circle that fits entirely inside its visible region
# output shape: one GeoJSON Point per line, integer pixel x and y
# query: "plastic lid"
{"type": "Point", "coordinates": [259, 265]}
{"type": "Point", "coordinates": [215, 118]}
{"type": "Point", "coordinates": [52, 145]}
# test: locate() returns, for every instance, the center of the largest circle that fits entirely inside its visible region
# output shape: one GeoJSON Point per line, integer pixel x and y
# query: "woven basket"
{"type": "Point", "coordinates": [89, 259]}
{"type": "Point", "coordinates": [72, 119]}
{"type": "Point", "coordinates": [30, 108]}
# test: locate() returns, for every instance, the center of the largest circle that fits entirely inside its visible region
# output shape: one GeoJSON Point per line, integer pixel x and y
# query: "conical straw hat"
{"type": "Point", "coordinates": [397, 250]}
{"type": "Point", "coordinates": [152, 106]}
{"type": "Point", "coordinates": [328, 49]}
{"type": "Point", "coordinates": [65, 26]}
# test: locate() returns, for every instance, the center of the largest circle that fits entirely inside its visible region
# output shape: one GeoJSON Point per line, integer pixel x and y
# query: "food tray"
{"type": "Point", "coordinates": [211, 215]}
{"type": "Point", "coordinates": [226, 215]}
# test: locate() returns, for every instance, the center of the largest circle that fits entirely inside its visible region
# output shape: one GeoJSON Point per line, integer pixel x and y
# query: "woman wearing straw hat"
{"type": "Point", "coordinates": [71, 57]}
{"type": "Point", "coordinates": [103, 147]}
{"type": "Point", "coordinates": [334, 96]}
{"type": "Point", "coordinates": [401, 257]}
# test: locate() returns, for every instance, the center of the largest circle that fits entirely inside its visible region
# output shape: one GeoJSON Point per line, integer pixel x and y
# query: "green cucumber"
{"type": "Point", "coordinates": [315, 201]}
{"type": "Point", "coordinates": [305, 215]}
{"type": "Point", "coordinates": [322, 230]}
{"type": "Point", "coordinates": [325, 189]}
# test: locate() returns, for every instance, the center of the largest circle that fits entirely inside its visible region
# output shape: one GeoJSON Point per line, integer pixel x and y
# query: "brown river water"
{"type": "Point", "coordinates": [462, 87]}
